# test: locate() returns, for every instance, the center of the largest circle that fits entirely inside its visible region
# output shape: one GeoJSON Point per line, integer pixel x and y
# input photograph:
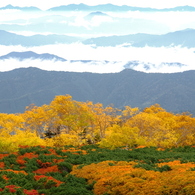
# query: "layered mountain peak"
{"type": "Point", "coordinates": [30, 55]}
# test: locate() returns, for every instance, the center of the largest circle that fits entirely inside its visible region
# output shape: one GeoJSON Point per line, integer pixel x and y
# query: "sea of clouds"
{"type": "Point", "coordinates": [103, 59]}
{"type": "Point", "coordinates": [139, 22]}
{"type": "Point", "coordinates": [116, 57]}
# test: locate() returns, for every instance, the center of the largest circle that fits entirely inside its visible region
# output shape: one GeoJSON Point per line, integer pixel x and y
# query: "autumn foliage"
{"type": "Point", "coordinates": [122, 178]}
{"type": "Point", "coordinates": [68, 122]}
{"type": "Point", "coordinates": [75, 148]}
{"type": "Point", "coordinates": [89, 170]}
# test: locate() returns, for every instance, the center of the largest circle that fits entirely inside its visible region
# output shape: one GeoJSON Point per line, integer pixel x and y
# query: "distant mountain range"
{"type": "Point", "coordinates": [31, 55]}
{"type": "Point", "coordinates": [44, 56]}
{"type": "Point", "coordinates": [145, 66]}
{"type": "Point", "coordinates": [115, 8]}
{"type": "Point", "coordinates": [102, 7]}
{"type": "Point", "coordinates": [7, 38]}
{"type": "Point", "coordinates": [22, 87]}
{"type": "Point", "coordinates": [183, 38]}
{"type": "Point", "coordinates": [31, 8]}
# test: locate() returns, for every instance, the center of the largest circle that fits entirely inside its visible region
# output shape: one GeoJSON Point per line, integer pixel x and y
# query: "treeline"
{"type": "Point", "coordinates": [68, 122]}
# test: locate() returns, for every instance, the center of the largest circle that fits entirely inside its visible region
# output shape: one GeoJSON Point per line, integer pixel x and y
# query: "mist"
{"type": "Point", "coordinates": [101, 59]}
{"type": "Point", "coordinates": [77, 23]}
{"type": "Point", "coordinates": [104, 59]}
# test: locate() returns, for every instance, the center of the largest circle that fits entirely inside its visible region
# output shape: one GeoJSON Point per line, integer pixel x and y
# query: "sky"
{"type": "Point", "coordinates": [154, 23]}
{"type": "Point", "coordinates": [138, 3]}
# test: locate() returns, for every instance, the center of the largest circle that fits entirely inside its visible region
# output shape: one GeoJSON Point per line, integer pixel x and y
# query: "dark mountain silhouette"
{"type": "Point", "coordinates": [111, 7]}
{"type": "Point", "coordinates": [31, 8]}
{"type": "Point", "coordinates": [184, 38]}
{"type": "Point", "coordinates": [7, 38]}
{"type": "Point", "coordinates": [22, 87]}
{"type": "Point", "coordinates": [31, 55]}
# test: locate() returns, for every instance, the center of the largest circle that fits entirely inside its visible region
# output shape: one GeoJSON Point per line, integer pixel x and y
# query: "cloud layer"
{"type": "Point", "coordinates": [110, 23]}
{"type": "Point", "coordinates": [117, 58]}
{"type": "Point", "coordinates": [69, 23]}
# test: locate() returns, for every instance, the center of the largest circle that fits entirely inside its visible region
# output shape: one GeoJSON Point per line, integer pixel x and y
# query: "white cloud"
{"type": "Point", "coordinates": [97, 20]}
{"type": "Point", "coordinates": [117, 57]}
{"type": "Point", "coordinates": [7, 49]}
{"type": "Point", "coordinates": [11, 15]}
{"type": "Point", "coordinates": [93, 22]}
{"type": "Point", "coordinates": [95, 67]}
{"type": "Point", "coordinates": [79, 51]}
{"type": "Point", "coordinates": [153, 22]}
{"type": "Point", "coordinates": [79, 21]}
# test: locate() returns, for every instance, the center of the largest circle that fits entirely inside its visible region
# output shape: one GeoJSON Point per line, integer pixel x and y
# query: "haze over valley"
{"type": "Point", "coordinates": [98, 39]}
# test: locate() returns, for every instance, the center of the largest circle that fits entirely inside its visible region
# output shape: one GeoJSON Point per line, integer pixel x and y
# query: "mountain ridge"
{"type": "Point", "coordinates": [112, 7]}
{"type": "Point", "coordinates": [8, 38]}
{"type": "Point", "coordinates": [31, 8]}
{"type": "Point", "coordinates": [22, 87]}
{"type": "Point", "coordinates": [31, 55]}
{"type": "Point", "coordinates": [101, 7]}
{"type": "Point", "coordinates": [183, 38]}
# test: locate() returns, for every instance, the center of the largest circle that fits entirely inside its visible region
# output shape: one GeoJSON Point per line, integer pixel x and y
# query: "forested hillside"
{"type": "Point", "coordinates": [21, 87]}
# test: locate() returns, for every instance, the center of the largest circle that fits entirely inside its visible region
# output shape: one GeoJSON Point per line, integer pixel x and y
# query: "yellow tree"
{"type": "Point", "coordinates": [72, 116]}
{"type": "Point", "coordinates": [65, 109]}
{"type": "Point", "coordinates": [117, 136]}
{"type": "Point", "coordinates": [12, 133]}
{"type": "Point", "coordinates": [156, 125]}
{"type": "Point", "coordinates": [154, 109]}
{"type": "Point", "coordinates": [104, 117]}
{"type": "Point", "coordinates": [87, 123]}
{"type": "Point", "coordinates": [10, 123]}
{"type": "Point", "coordinates": [38, 119]}
{"type": "Point", "coordinates": [185, 129]}
{"type": "Point", "coordinates": [127, 113]}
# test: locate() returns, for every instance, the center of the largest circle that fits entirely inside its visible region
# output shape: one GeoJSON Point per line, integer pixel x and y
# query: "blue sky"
{"type": "Point", "coordinates": [141, 3]}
